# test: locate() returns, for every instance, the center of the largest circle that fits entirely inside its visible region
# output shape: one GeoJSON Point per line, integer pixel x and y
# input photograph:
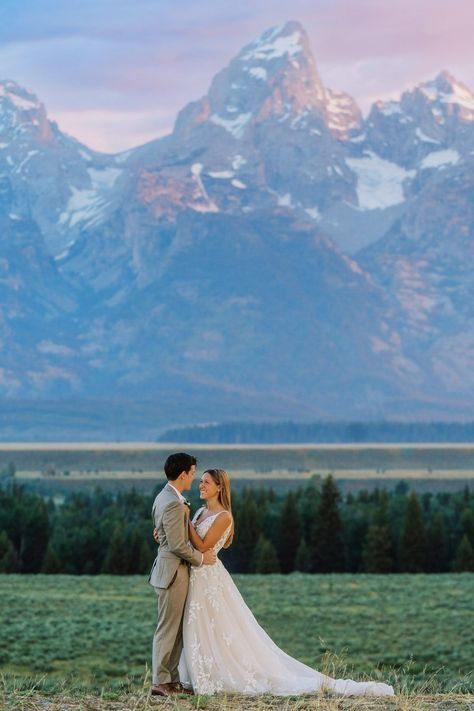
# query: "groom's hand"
{"type": "Point", "coordinates": [209, 557]}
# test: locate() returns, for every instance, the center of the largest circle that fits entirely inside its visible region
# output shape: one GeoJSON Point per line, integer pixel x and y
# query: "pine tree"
{"type": "Point", "coordinates": [35, 535]}
{"type": "Point", "coordinates": [436, 545]}
{"type": "Point", "coordinates": [326, 534]}
{"type": "Point", "coordinates": [7, 554]}
{"type": "Point", "coordinates": [466, 494]}
{"type": "Point", "coordinates": [116, 559]}
{"type": "Point", "coordinates": [145, 559]}
{"type": "Point", "coordinates": [303, 558]}
{"type": "Point", "coordinates": [51, 563]}
{"type": "Point", "coordinates": [467, 523]}
{"type": "Point", "coordinates": [134, 547]}
{"type": "Point", "coordinates": [381, 513]}
{"type": "Point", "coordinates": [413, 540]}
{"type": "Point", "coordinates": [289, 533]}
{"type": "Point", "coordinates": [247, 527]}
{"type": "Point", "coordinates": [377, 550]}
{"type": "Point", "coordinates": [464, 560]}
{"type": "Point", "coordinates": [265, 557]}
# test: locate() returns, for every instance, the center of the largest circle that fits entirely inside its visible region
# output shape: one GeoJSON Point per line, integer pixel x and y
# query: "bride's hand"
{"type": "Point", "coordinates": [156, 536]}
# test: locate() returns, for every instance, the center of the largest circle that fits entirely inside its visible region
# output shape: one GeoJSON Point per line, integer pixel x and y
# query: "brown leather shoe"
{"type": "Point", "coordinates": [180, 689]}
{"type": "Point", "coordinates": [162, 689]}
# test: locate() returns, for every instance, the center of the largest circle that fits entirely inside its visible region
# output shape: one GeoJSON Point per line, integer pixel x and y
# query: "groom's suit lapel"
{"type": "Point", "coordinates": [173, 491]}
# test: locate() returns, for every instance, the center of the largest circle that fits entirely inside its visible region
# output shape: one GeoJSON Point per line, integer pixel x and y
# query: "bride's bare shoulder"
{"type": "Point", "coordinates": [223, 519]}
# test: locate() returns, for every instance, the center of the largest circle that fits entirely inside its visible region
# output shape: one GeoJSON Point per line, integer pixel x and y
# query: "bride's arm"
{"type": "Point", "coordinates": [213, 535]}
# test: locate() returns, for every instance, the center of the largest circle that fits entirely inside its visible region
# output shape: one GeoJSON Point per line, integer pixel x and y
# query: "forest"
{"type": "Point", "coordinates": [349, 432]}
{"type": "Point", "coordinates": [314, 529]}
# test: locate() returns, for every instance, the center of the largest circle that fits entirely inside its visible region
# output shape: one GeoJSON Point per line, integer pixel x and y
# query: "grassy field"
{"type": "Point", "coordinates": [58, 469]}
{"type": "Point", "coordinates": [83, 637]}
{"type": "Point", "coordinates": [300, 460]}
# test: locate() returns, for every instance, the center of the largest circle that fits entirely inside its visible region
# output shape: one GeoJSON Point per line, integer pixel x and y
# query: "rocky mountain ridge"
{"type": "Point", "coordinates": [276, 255]}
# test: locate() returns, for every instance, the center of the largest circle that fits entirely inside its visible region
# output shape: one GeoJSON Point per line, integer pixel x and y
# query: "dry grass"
{"type": "Point", "coordinates": [30, 697]}
{"type": "Point", "coordinates": [144, 702]}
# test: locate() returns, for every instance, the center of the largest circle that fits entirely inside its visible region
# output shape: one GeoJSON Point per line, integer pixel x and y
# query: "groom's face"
{"type": "Point", "coordinates": [188, 478]}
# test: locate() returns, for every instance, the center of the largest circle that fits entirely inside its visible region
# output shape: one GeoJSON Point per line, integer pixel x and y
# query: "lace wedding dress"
{"type": "Point", "coordinates": [226, 650]}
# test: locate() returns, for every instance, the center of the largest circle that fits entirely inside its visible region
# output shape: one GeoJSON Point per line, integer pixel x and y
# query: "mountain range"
{"type": "Point", "coordinates": [276, 256]}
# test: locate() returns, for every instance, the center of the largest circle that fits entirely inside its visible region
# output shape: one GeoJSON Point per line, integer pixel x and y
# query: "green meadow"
{"type": "Point", "coordinates": [94, 632]}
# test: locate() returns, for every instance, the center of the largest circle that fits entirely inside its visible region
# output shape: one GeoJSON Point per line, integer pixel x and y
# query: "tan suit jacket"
{"type": "Point", "coordinates": [170, 517]}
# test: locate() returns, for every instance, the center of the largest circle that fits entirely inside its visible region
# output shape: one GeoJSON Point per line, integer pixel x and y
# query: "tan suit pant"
{"type": "Point", "coordinates": [168, 637]}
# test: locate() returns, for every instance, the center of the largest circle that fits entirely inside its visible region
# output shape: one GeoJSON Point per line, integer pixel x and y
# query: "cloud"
{"type": "Point", "coordinates": [138, 62]}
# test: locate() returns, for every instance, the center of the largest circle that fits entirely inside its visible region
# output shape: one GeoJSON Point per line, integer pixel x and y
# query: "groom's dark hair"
{"type": "Point", "coordinates": [177, 463]}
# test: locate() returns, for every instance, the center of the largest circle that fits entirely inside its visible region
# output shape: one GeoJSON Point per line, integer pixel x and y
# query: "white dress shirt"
{"type": "Point", "coordinates": [180, 496]}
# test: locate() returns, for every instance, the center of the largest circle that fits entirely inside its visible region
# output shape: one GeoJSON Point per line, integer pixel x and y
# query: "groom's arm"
{"type": "Point", "coordinates": [173, 523]}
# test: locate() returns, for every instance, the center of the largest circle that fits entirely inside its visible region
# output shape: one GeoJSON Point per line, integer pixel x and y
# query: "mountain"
{"type": "Point", "coordinates": [277, 255]}
{"type": "Point", "coordinates": [58, 182]}
{"type": "Point", "coordinates": [425, 263]}
{"type": "Point", "coordinates": [437, 115]}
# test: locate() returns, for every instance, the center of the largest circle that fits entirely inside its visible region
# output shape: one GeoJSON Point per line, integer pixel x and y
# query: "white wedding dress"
{"type": "Point", "coordinates": [226, 650]}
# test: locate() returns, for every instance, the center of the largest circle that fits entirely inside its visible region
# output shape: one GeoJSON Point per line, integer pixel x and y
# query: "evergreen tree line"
{"type": "Point", "coordinates": [314, 529]}
{"type": "Point", "coordinates": [322, 432]}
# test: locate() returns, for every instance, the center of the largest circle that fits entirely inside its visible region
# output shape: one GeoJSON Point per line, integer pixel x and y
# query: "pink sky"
{"type": "Point", "coordinates": [114, 73]}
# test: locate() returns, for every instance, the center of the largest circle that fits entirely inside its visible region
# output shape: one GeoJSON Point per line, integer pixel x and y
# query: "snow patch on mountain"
{"type": "Point", "coordinates": [438, 159]}
{"type": "Point", "coordinates": [204, 207]}
{"type": "Point", "coordinates": [285, 200]}
{"type": "Point", "coordinates": [379, 182]}
{"type": "Point", "coordinates": [460, 95]}
{"type": "Point", "coordinates": [238, 161]}
{"type": "Point", "coordinates": [18, 97]}
{"type": "Point", "coordinates": [65, 253]}
{"type": "Point", "coordinates": [235, 126]}
{"type": "Point", "coordinates": [25, 160]}
{"type": "Point", "coordinates": [221, 174]}
{"type": "Point", "coordinates": [208, 205]}
{"type": "Point", "coordinates": [313, 212]}
{"type": "Point", "coordinates": [269, 46]}
{"type": "Point", "coordinates": [259, 73]}
{"type": "Point", "coordinates": [389, 108]}
{"type": "Point", "coordinates": [359, 139]}
{"type": "Point", "coordinates": [446, 90]}
{"type": "Point", "coordinates": [196, 169]}
{"type": "Point", "coordinates": [83, 206]}
{"type": "Point", "coordinates": [123, 157]}
{"type": "Point", "coordinates": [423, 137]}
{"type": "Point", "coordinates": [104, 178]}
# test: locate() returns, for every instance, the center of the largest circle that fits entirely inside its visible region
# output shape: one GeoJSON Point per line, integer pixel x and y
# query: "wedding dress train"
{"type": "Point", "coordinates": [226, 650]}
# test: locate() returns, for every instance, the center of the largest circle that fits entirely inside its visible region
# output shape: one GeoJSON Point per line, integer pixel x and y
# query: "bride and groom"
{"type": "Point", "coordinates": [207, 640]}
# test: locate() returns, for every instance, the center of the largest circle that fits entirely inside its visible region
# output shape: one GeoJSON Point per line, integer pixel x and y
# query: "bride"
{"type": "Point", "coordinates": [225, 649]}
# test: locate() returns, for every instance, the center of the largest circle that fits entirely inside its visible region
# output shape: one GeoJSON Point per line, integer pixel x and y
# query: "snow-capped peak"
{"type": "Point", "coordinates": [447, 90]}
{"type": "Point", "coordinates": [274, 76]}
{"type": "Point", "coordinates": [21, 99]}
{"type": "Point", "coordinates": [388, 108]}
{"type": "Point", "coordinates": [285, 40]}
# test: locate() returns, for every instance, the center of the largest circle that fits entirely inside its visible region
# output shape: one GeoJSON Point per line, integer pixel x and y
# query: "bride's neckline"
{"type": "Point", "coordinates": [203, 508]}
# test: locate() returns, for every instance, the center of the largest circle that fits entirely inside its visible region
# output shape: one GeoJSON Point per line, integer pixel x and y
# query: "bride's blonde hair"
{"type": "Point", "coordinates": [222, 479]}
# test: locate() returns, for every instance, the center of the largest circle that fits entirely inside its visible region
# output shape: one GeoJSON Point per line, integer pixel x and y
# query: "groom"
{"type": "Point", "coordinates": [170, 572]}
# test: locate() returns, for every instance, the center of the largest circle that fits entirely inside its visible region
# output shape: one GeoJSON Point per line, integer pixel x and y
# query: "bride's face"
{"type": "Point", "coordinates": [208, 487]}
